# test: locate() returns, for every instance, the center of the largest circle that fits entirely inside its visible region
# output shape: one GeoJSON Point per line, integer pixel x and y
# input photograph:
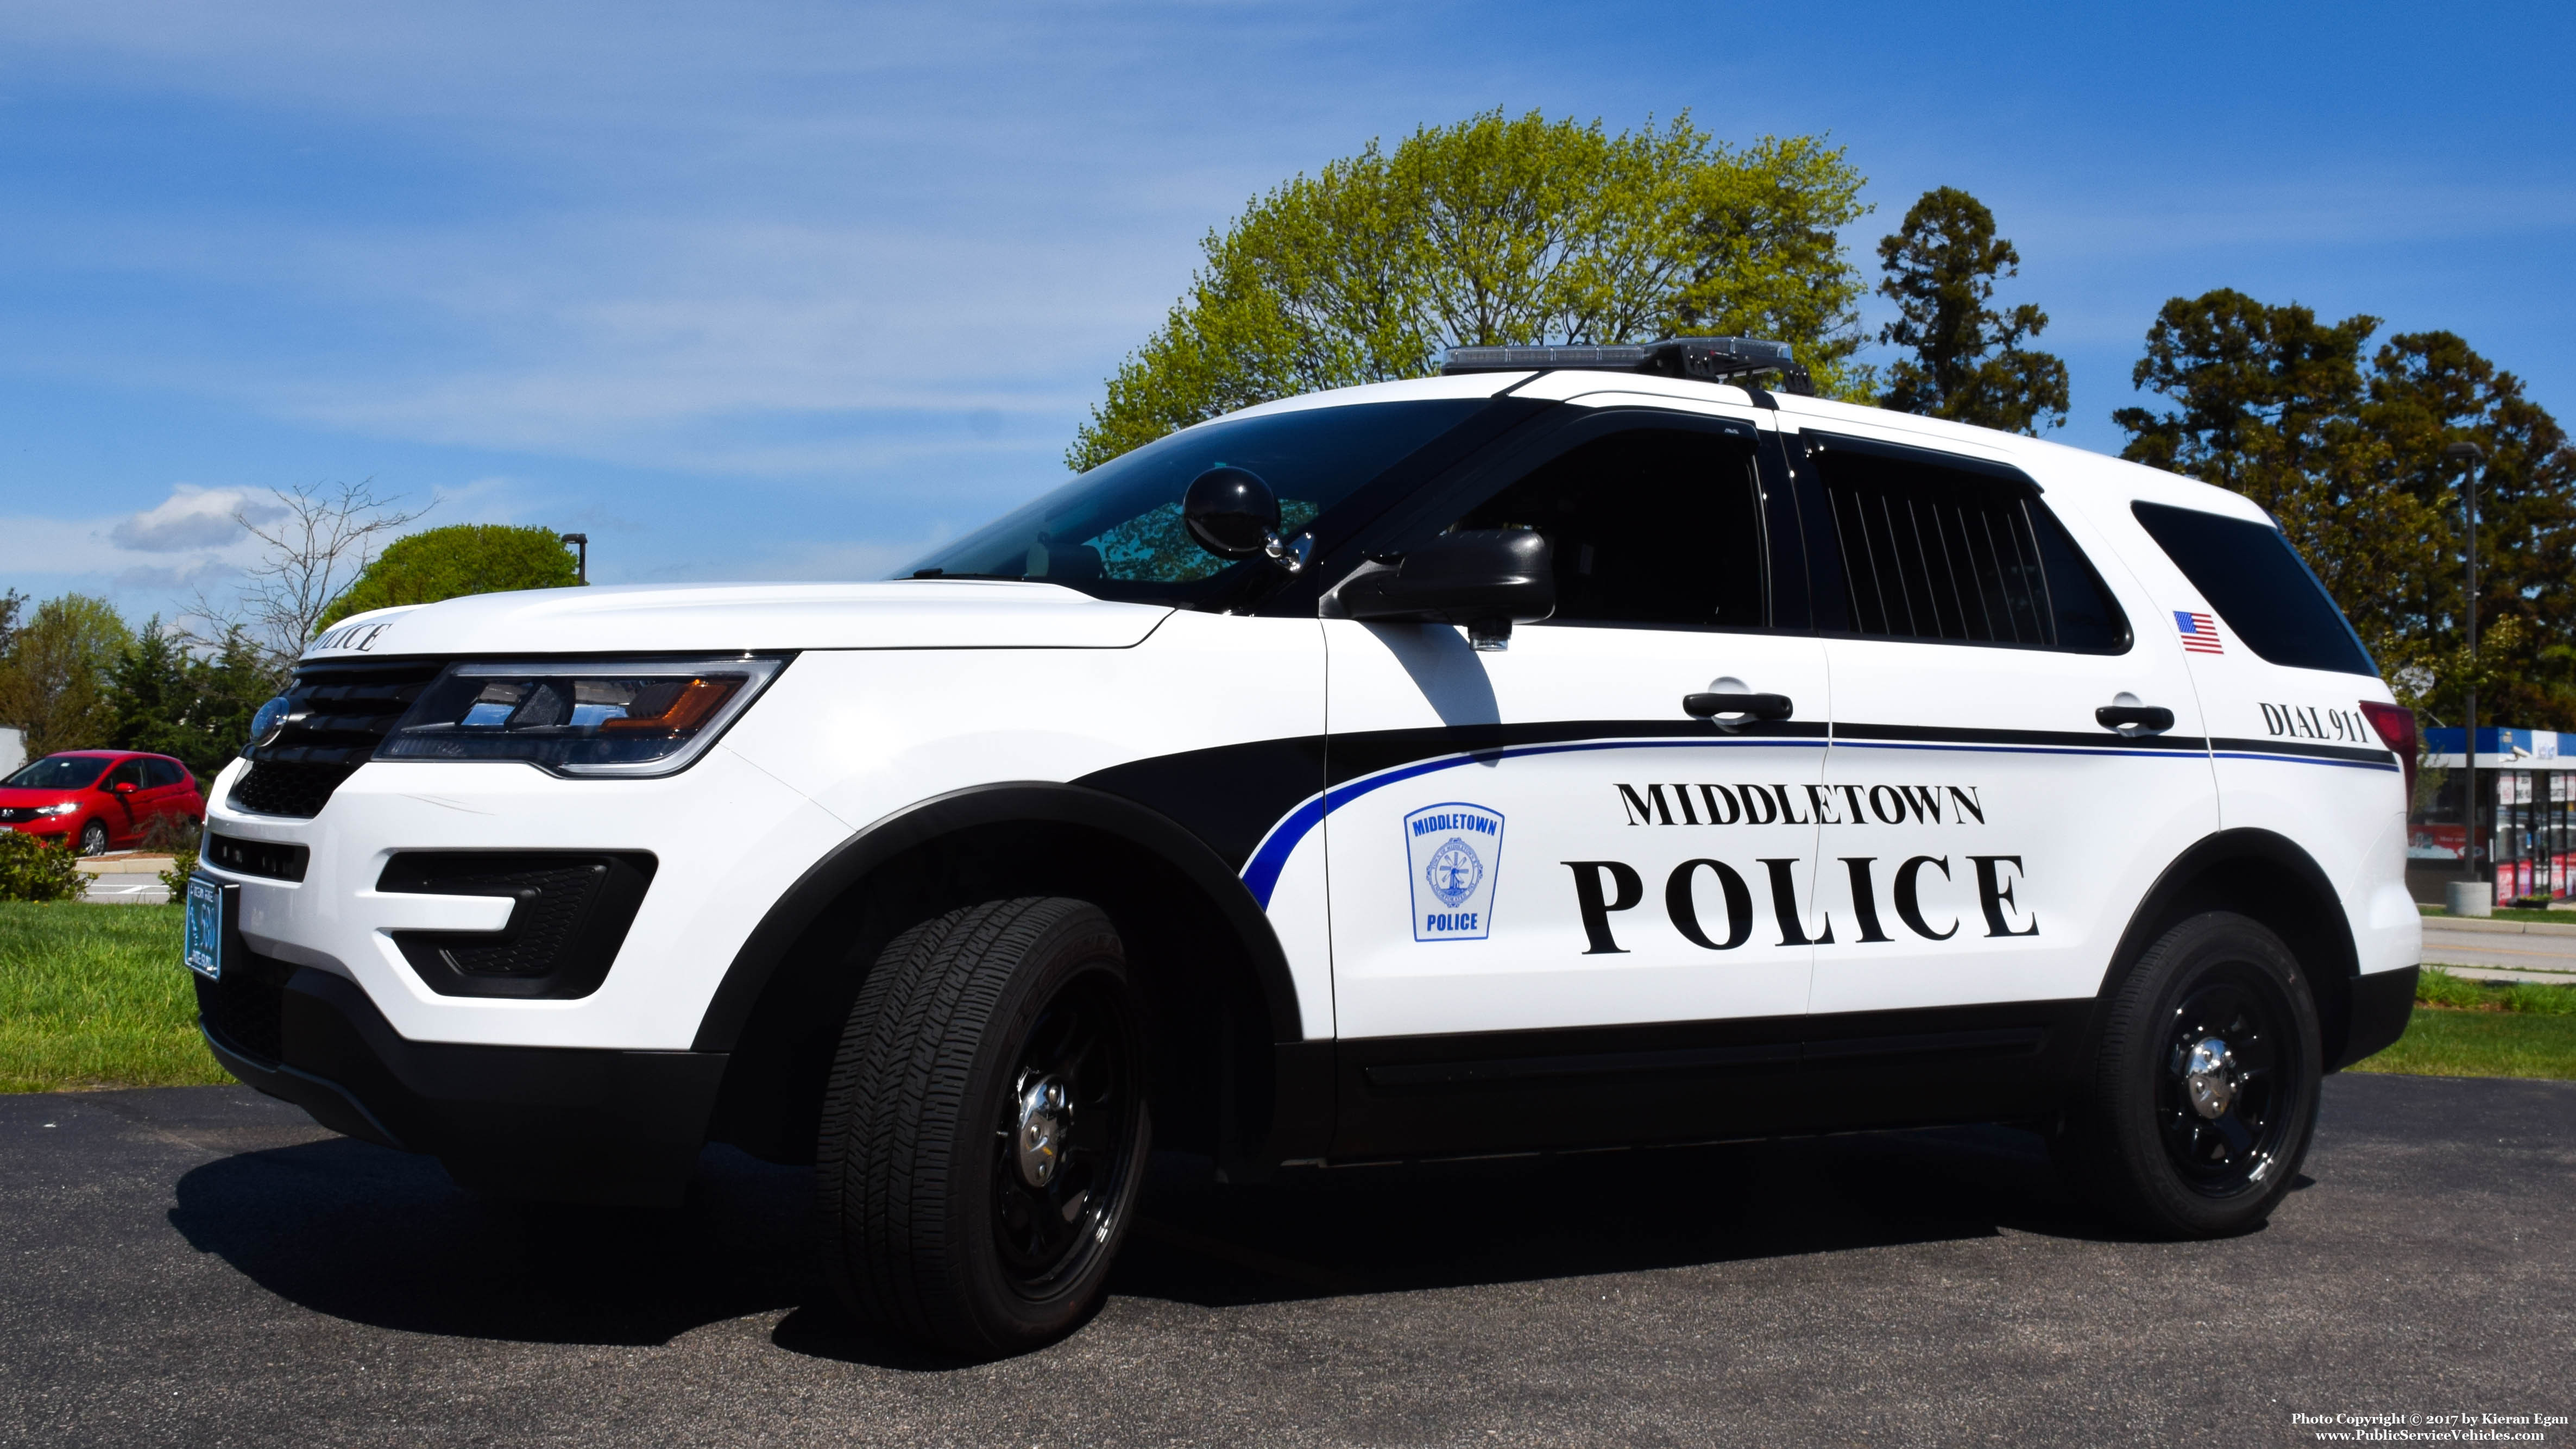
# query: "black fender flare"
{"type": "Point", "coordinates": [1032, 801]}
{"type": "Point", "coordinates": [2341, 960]}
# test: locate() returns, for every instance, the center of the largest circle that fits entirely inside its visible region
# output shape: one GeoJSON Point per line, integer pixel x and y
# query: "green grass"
{"type": "Point", "coordinates": [94, 996]}
{"type": "Point", "coordinates": [2442, 1043]}
{"type": "Point", "coordinates": [2464, 1027]}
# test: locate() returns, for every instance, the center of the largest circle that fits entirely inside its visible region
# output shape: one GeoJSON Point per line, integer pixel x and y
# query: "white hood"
{"type": "Point", "coordinates": [906, 614]}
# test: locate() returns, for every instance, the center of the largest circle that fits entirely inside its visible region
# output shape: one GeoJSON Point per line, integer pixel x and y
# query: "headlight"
{"type": "Point", "coordinates": [608, 720]}
{"type": "Point", "coordinates": [68, 807]}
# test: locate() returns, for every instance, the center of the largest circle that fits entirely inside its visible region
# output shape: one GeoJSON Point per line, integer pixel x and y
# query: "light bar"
{"type": "Point", "coordinates": [1706, 358]}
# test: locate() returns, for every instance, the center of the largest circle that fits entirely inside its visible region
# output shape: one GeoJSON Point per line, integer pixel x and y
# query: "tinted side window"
{"type": "Point", "coordinates": [128, 773]}
{"type": "Point", "coordinates": [1657, 526]}
{"type": "Point", "coordinates": [157, 773]}
{"type": "Point", "coordinates": [2259, 586]}
{"type": "Point", "coordinates": [1939, 553]}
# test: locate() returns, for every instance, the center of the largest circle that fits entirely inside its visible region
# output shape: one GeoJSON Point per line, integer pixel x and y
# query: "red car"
{"type": "Point", "coordinates": [101, 798]}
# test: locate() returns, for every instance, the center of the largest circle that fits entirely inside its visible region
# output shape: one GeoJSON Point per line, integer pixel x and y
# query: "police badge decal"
{"type": "Point", "coordinates": [1455, 853]}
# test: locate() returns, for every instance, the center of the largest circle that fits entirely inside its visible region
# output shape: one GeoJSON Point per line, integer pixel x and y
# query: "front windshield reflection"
{"type": "Point", "coordinates": [1116, 531]}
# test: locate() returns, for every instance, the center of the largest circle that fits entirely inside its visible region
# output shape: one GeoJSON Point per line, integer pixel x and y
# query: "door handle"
{"type": "Point", "coordinates": [2144, 718]}
{"type": "Point", "coordinates": [1759, 706]}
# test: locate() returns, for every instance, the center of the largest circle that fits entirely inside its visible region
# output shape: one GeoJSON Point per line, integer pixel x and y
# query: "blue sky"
{"type": "Point", "coordinates": [791, 291]}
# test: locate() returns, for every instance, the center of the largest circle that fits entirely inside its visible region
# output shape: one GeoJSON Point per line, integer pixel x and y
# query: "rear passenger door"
{"type": "Point", "coordinates": [1990, 834]}
{"type": "Point", "coordinates": [165, 789]}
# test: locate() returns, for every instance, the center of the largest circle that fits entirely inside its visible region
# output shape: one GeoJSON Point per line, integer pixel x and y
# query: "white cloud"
{"type": "Point", "coordinates": [190, 519]}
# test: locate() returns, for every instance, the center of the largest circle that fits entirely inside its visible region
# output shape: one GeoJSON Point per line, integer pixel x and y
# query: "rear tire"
{"type": "Point", "coordinates": [984, 1128]}
{"type": "Point", "coordinates": [2203, 1091]}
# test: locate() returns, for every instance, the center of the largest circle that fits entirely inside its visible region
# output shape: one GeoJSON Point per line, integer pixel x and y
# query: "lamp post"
{"type": "Point", "coordinates": [2468, 456]}
{"type": "Point", "coordinates": [581, 566]}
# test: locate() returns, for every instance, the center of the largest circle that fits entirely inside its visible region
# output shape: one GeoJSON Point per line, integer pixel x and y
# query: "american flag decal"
{"type": "Point", "coordinates": [2199, 633]}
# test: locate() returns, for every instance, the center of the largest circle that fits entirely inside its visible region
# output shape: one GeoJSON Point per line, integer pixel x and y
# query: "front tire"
{"type": "Point", "coordinates": [93, 838]}
{"type": "Point", "coordinates": [984, 1129]}
{"type": "Point", "coordinates": [2203, 1092]}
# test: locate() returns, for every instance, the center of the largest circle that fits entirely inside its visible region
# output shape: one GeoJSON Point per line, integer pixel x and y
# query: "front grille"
{"type": "Point", "coordinates": [571, 916]}
{"type": "Point", "coordinates": [336, 716]}
{"type": "Point", "coordinates": [257, 857]}
{"type": "Point", "coordinates": [11, 815]}
{"type": "Point", "coordinates": [247, 1009]}
{"type": "Point", "coordinates": [269, 788]}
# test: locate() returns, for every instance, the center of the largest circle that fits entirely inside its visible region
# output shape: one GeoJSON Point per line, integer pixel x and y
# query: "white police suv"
{"type": "Point", "coordinates": [1582, 747]}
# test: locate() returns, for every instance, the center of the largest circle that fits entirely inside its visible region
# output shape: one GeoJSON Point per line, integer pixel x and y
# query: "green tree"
{"type": "Point", "coordinates": [2346, 454]}
{"type": "Point", "coordinates": [445, 563]}
{"type": "Point", "coordinates": [172, 701]}
{"type": "Point", "coordinates": [53, 679]}
{"type": "Point", "coordinates": [1493, 231]}
{"type": "Point", "coordinates": [2425, 391]}
{"type": "Point", "coordinates": [1969, 364]}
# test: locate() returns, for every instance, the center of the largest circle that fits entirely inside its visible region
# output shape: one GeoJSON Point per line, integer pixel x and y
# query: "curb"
{"type": "Point", "coordinates": [2483, 926]}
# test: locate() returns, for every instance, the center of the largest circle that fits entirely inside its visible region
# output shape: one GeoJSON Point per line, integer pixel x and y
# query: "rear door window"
{"type": "Point", "coordinates": [1958, 555]}
{"type": "Point", "coordinates": [2259, 586]}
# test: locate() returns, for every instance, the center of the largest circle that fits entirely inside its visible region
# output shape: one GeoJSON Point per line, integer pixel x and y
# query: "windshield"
{"type": "Point", "coordinates": [60, 772]}
{"type": "Point", "coordinates": [1116, 531]}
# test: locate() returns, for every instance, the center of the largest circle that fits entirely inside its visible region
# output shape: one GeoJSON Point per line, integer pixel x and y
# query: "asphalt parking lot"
{"type": "Point", "coordinates": [204, 1266]}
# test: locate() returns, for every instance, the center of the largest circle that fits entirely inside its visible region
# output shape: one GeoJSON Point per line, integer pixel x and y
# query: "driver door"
{"type": "Point", "coordinates": [1546, 877]}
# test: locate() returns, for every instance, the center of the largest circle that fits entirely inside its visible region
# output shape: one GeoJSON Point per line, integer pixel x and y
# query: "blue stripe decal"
{"type": "Point", "coordinates": [1261, 873]}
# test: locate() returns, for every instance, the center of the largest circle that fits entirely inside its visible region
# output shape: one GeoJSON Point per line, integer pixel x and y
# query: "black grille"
{"type": "Point", "coordinates": [336, 715]}
{"type": "Point", "coordinates": [571, 914]}
{"type": "Point", "coordinates": [246, 1009]}
{"type": "Point", "coordinates": [256, 857]}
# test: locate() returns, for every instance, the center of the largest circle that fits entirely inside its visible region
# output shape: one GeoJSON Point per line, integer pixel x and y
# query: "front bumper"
{"type": "Point", "coordinates": [546, 1123]}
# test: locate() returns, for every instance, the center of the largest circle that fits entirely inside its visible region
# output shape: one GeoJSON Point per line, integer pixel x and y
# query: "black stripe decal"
{"type": "Point", "coordinates": [2304, 752]}
{"type": "Point", "coordinates": [2049, 739]}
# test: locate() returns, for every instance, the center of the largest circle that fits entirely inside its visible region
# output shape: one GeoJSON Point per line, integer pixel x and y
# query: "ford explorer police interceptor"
{"type": "Point", "coordinates": [1585, 746]}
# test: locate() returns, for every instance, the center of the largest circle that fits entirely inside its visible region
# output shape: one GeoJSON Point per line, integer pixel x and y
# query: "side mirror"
{"type": "Point", "coordinates": [124, 787]}
{"type": "Point", "coordinates": [1231, 513]}
{"type": "Point", "coordinates": [1485, 579]}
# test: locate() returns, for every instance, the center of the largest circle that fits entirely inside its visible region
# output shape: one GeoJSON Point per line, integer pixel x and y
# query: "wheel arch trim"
{"type": "Point", "coordinates": [845, 866]}
{"type": "Point", "coordinates": [2331, 976]}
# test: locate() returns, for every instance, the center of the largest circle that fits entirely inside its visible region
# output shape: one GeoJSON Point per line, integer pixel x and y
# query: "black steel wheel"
{"type": "Point", "coordinates": [2203, 1092]}
{"type": "Point", "coordinates": [984, 1130]}
{"type": "Point", "coordinates": [1064, 1139]}
{"type": "Point", "coordinates": [2225, 1100]}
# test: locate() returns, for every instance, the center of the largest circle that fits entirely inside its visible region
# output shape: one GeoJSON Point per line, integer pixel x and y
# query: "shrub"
{"type": "Point", "coordinates": [171, 835]}
{"type": "Point", "coordinates": [2437, 987]}
{"type": "Point", "coordinates": [183, 864]}
{"type": "Point", "coordinates": [2540, 1000]}
{"type": "Point", "coordinates": [31, 870]}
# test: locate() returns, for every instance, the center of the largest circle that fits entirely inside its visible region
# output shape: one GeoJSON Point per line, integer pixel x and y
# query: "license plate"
{"type": "Point", "coordinates": [203, 949]}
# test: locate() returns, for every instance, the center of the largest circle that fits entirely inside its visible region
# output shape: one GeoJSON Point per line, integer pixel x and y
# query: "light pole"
{"type": "Point", "coordinates": [581, 567]}
{"type": "Point", "coordinates": [2468, 456]}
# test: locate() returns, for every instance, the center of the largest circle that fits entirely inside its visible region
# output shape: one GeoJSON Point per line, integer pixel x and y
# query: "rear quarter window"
{"type": "Point", "coordinates": [2261, 589]}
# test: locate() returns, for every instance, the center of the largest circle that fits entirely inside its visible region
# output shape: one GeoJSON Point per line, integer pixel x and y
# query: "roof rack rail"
{"type": "Point", "coordinates": [1710, 359]}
